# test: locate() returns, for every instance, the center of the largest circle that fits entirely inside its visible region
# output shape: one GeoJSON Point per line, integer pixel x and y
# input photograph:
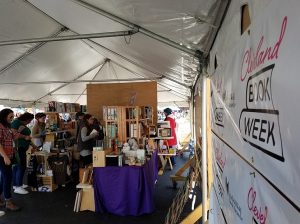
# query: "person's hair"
{"type": "Point", "coordinates": [86, 121]}
{"type": "Point", "coordinates": [168, 111]}
{"type": "Point", "coordinates": [26, 117]}
{"type": "Point", "coordinates": [3, 116]}
{"type": "Point", "coordinates": [40, 115]}
{"type": "Point", "coordinates": [96, 121]}
{"type": "Point", "coordinates": [78, 114]}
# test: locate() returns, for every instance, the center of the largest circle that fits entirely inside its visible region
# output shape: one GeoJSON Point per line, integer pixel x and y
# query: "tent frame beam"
{"type": "Point", "coordinates": [158, 78]}
{"type": "Point", "coordinates": [78, 77]}
{"type": "Point", "coordinates": [30, 51]}
{"type": "Point", "coordinates": [75, 81]}
{"type": "Point", "coordinates": [142, 30]}
{"type": "Point", "coordinates": [136, 64]}
{"type": "Point", "coordinates": [69, 37]}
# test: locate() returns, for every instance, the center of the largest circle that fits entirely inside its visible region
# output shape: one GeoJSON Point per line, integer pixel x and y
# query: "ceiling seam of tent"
{"type": "Point", "coordinates": [97, 73]}
{"type": "Point", "coordinates": [112, 69]}
{"type": "Point", "coordinates": [144, 76]}
{"type": "Point", "coordinates": [30, 51]}
{"type": "Point", "coordinates": [222, 10]}
{"type": "Point", "coordinates": [173, 90]}
{"type": "Point", "coordinates": [78, 77]}
{"type": "Point", "coordinates": [136, 64]}
{"type": "Point", "coordinates": [170, 85]}
{"type": "Point", "coordinates": [142, 30]}
{"type": "Point", "coordinates": [66, 94]}
{"type": "Point", "coordinates": [203, 66]}
{"type": "Point", "coordinates": [136, 73]}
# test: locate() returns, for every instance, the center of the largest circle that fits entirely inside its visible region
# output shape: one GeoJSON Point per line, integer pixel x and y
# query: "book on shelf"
{"type": "Point", "coordinates": [133, 130]}
{"type": "Point", "coordinates": [112, 130]}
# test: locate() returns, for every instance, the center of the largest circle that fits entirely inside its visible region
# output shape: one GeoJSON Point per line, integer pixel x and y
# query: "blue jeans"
{"type": "Point", "coordinates": [5, 179]}
{"type": "Point", "coordinates": [173, 158]}
{"type": "Point", "coordinates": [18, 170]}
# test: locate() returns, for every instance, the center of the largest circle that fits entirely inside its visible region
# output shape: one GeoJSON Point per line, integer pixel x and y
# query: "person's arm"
{"type": "Point", "coordinates": [2, 152]}
{"type": "Point", "coordinates": [17, 135]}
{"type": "Point", "coordinates": [84, 136]}
{"type": "Point", "coordinates": [5, 157]}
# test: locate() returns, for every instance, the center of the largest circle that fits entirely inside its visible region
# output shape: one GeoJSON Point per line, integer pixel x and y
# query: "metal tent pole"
{"type": "Point", "coordinates": [69, 37]}
{"type": "Point", "coordinates": [30, 51]}
{"type": "Point", "coordinates": [204, 151]}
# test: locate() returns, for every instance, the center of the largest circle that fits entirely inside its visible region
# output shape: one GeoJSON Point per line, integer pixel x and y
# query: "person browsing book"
{"type": "Point", "coordinates": [87, 139]}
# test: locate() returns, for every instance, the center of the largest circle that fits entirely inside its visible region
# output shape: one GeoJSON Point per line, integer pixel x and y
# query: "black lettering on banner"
{"type": "Point", "coordinates": [259, 121]}
{"type": "Point", "coordinates": [261, 130]}
{"type": "Point", "coordinates": [219, 116]}
{"type": "Point", "coordinates": [258, 92]}
{"type": "Point", "coordinates": [256, 131]}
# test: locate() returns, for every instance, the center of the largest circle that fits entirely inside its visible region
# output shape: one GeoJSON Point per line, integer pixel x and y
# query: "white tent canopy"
{"type": "Point", "coordinates": [167, 42]}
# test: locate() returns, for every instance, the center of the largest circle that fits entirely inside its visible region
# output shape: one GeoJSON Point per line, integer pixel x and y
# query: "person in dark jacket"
{"type": "Point", "coordinates": [87, 139]}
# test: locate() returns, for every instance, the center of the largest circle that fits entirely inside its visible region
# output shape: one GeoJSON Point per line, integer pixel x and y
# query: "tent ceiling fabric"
{"type": "Point", "coordinates": [140, 57]}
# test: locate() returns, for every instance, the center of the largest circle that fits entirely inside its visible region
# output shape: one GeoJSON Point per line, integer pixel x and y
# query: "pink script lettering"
{"type": "Point", "coordinates": [259, 213]}
{"type": "Point", "coordinates": [252, 60]}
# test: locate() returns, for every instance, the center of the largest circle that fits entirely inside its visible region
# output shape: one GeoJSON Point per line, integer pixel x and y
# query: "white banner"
{"type": "Point", "coordinates": [241, 195]}
{"type": "Point", "coordinates": [255, 95]}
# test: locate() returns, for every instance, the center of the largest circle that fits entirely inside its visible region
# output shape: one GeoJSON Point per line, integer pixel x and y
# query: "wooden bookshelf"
{"type": "Point", "coordinates": [124, 122]}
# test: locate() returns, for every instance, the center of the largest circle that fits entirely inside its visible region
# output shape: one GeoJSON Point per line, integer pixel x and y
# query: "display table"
{"type": "Point", "coordinates": [126, 190]}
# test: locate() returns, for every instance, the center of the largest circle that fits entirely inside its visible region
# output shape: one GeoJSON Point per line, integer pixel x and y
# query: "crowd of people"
{"type": "Point", "coordinates": [16, 138]}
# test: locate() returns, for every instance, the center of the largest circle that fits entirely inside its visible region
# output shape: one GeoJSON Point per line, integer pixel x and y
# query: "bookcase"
{"type": "Point", "coordinates": [124, 122]}
{"type": "Point", "coordinates": [56, 128]}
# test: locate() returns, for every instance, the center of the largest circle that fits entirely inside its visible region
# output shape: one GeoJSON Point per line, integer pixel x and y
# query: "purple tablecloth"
{"type": "Point", "coordinates": [126, 190]}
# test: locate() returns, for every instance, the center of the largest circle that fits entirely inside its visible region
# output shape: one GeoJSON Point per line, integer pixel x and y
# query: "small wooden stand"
{"type": "Point", "coordinates": [85, 196]}
{"type": "Point", "coordinates": [178, 175]}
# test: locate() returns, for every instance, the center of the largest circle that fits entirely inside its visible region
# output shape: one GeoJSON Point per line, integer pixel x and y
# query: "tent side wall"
{"type": "Point", "coordinates": [255, 85]}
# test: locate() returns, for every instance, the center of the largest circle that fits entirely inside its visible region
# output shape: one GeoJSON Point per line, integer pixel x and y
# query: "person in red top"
{"type": "Point", "coordinates": [171, 142]}
{"type": "Point", "coordinates": [6, 155]}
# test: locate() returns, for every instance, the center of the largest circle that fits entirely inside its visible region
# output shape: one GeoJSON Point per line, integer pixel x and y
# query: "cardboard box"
{"type": "Point", "coordinates": [47, 181]}
{"type": "Point", "coordinates": [99, 158]}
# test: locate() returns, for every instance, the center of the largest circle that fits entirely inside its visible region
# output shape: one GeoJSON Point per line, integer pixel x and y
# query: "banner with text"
{"type": "Point", "coordinates": [255, 122]}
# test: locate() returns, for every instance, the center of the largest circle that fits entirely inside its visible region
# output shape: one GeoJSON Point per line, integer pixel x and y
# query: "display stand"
{"type": "Point", "coordinates": [165, 158]}
{"type": "Point", "coordinates": [178, 175]}
{"type": "Point", "coordinates": [85, 196]}
{"type": "Point", "coordinates": [125, 122]}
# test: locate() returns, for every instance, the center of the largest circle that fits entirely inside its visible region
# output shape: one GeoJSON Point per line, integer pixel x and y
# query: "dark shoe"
{"type": "Point", "coordinates": [10, 206]}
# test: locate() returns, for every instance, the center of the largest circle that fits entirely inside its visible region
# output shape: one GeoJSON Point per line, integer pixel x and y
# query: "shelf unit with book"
{"type": "Point", "coordinates": [124, 122]}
